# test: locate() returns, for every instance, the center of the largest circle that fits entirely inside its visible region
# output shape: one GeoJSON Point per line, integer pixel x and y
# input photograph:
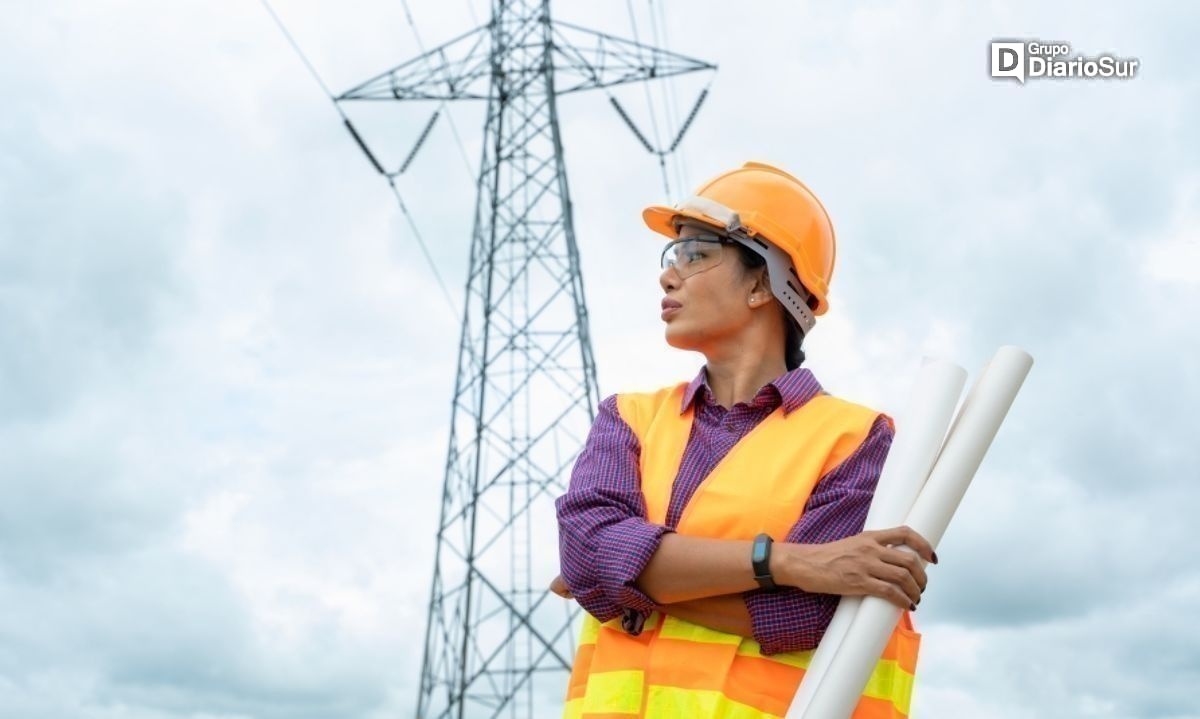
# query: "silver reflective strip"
{"type": "Point", "coordinates": [724, 216]}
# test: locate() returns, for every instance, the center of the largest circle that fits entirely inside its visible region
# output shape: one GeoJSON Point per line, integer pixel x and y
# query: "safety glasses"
{"type": "Point", "coordinates": [695, 254]}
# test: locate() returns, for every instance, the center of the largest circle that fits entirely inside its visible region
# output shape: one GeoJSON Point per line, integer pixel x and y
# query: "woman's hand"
{"type": "Point", "coordinates": [559, 587]}
{"type": "Point", "coordinates": [865, 564]}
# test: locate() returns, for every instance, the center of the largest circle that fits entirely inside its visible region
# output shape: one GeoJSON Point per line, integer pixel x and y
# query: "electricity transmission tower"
{"type": "Point", "coordinates": [496, 641]}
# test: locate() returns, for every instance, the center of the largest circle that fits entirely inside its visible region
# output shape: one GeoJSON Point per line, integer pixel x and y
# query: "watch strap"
{"type": "Point", "coordinates": [760, 561]}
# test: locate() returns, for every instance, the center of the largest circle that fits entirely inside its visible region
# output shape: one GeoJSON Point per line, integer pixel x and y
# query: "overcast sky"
{"type": "Point", "coordinates": [225, 366]}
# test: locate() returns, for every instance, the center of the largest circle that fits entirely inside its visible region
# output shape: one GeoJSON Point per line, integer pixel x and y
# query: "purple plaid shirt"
{"type": "Point", "coordinates": [605, 540]}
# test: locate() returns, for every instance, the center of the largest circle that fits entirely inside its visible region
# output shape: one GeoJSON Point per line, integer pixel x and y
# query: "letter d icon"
{"type": "Point", "coordinates": [1008, 60]}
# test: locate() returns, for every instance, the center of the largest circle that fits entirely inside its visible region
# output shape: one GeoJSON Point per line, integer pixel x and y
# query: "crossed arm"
{"type": "Point", "coordinates": [616, 563]}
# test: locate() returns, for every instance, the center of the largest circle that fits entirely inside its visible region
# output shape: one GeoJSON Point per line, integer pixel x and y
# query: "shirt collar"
{"type": "Point", "coordinates": [795, 387]}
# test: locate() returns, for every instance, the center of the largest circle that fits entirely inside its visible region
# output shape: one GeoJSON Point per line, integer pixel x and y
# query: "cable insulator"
{"type": "Point", "coordinates": [363, 145]}
{"type": "Point", "coordinates": [688, 122]}
{"type": "Point", "coordinates": [625, 117]}
{"type": "Point", "coordinates": [420, 141]}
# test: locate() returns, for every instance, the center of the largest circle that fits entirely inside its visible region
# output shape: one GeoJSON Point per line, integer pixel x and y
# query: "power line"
{"type": "Point", "coordinates": [471, 9]}
{"type": "Point", "coordinates": [669, 96]}
{"type": "Point", "coordinates": [444, 106]}
{"type": "Point", "coordinates": [650, 104]}
{"type": "Point", "coordinates": [390, 176]}
{"type": "Point", "coordinates": [303, 58]}
{"type": "Point", "coordinates": [412, 224]}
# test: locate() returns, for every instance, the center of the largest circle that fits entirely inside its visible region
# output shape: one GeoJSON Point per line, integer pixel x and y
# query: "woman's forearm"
{"type": "Point", "coordinates": [683, 568]}
{"type": "Point", "coordinates": [726, 613]}
{"type": "Point", "coordinates": [868, 563]}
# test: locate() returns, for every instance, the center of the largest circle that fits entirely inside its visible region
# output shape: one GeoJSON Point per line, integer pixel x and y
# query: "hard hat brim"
{"type": "Point", "coordinates": [661, 219]}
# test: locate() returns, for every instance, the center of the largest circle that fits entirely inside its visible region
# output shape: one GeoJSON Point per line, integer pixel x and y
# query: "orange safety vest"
{"type": "Point", "coordinates": [675, 669]}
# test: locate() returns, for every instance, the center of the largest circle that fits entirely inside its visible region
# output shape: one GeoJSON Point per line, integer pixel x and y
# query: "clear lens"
{"type": "Point", "coordinates": [693, 254]}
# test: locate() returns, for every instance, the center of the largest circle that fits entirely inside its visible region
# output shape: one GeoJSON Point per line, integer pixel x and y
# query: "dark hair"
{"type": "Point", "coordinates": [793, 355]}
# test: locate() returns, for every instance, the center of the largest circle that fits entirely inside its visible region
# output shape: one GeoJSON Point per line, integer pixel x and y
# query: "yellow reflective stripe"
{"type": "Point", "coordinates": [590, 630]}
{"type": "Point", "coordinates": [652, 621]}
{"type": "Point", "coordinates": [618, 692]}
{"type": "Point", "coordinates": [676, 628]}
{"type": "Point", "coordinates": [801, 660]}
{"type": "Point", "coordinates": [889, 682]}
{"type": "Point", "coordinates": [621, 691]}
{"type": "Point", "coordinates": [573, 709]}
{"type": "Point", "coordinates": [664, 701]}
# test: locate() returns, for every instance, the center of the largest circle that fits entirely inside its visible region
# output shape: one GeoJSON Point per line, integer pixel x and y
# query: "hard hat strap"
{"type": "Point", "coordinates": [785, 284]}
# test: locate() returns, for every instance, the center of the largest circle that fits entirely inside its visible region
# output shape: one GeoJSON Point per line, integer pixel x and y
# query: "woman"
{"type": "Point", "coordinates": [711, 526]}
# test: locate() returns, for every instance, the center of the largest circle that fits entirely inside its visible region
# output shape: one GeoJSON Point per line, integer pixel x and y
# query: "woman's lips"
{"type": "Point", "coordinates": [669, 307]}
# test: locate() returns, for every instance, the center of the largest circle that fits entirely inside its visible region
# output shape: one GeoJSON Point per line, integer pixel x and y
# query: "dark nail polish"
{"type": "Point", "coordinates": [935, 557]}
{"type": "Point", "coordinates": [913, 607]}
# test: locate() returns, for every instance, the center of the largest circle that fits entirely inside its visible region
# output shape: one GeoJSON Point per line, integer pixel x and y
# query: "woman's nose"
{"type": "Point", "coordinates": [668, 279]}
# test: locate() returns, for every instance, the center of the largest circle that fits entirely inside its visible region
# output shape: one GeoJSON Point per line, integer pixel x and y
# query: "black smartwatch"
{"type": "Point", "coordinates": [760, 560]}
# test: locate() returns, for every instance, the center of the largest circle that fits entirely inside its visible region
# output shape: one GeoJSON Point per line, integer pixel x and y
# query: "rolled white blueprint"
{"type": "Point", "coordinates": [920, 430]}
{"type": "Point", "coordinates": [970, 436]}
{"type": "Point", "coordinates": [913, 452]}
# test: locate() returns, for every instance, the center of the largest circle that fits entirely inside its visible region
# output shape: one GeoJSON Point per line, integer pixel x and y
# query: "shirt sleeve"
{"type": "Point", "coordinates": [604, 538]}
{"type": "Point", "coordinates": [791, 619]}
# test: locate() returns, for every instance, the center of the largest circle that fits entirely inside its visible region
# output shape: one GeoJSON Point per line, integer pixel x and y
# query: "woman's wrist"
{"type": "Point", "coordinates": [789, 564]}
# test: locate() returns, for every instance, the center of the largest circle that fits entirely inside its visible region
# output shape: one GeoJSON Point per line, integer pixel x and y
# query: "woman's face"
{"type": "Point", "coordinates": [715, 302]}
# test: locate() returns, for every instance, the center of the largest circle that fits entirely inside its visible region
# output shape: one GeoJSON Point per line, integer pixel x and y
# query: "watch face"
{"type": "Point", "coordinates": [760, 551]}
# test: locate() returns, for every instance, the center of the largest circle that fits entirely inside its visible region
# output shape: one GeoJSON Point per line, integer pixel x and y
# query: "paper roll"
{"type": "Point", "coordinates": [970, 436]}
{"type": "Point", "coordinates": [920, 431]}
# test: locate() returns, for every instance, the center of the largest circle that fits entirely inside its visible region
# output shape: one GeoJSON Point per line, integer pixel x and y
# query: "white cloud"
{"type": "Point", "coordinates": [1175, 257]}
{"type": "Point", "coordinates": [227, 367]}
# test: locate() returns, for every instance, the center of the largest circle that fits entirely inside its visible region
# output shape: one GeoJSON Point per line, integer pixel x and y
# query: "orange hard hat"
{"type": "Point", "coordinates": [760, 202]}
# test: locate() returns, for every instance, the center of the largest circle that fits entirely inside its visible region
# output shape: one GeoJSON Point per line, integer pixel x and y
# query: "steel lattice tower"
{"type": "Point", "coordinates": [496, 640]}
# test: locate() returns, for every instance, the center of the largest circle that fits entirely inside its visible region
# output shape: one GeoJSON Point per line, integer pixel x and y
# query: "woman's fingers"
{"type": "Point", "coordinates": [902, 579]}
{"type": "Point", "coordinates": [908, 561]}
{"type": "Point", "coordinates": [873, 563]}
{"type": "Point", "coordinates": [907, 536]}
{"type": "Point", "coordinates": [890, 592]}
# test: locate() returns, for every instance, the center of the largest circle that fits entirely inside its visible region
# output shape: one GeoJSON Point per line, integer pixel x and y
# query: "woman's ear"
{"type": "Point", "coordinates": [763, 283]}
{"type": "Point", "coordinates": [760, 291]}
